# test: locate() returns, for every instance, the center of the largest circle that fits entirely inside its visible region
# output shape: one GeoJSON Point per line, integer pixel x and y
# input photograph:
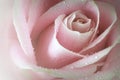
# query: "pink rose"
{"type": "Point", "coordinates": [70, 39]}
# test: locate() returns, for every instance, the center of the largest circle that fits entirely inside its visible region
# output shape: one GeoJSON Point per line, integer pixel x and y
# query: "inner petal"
{"type": "Point", "coordinates": [77, 21]}
{"type": "Point", "coordinates": [77, 29]}
{"type": "Point", "coordinates": [81, 26]}
{"type": "Point", "coordinates": [77, 40]}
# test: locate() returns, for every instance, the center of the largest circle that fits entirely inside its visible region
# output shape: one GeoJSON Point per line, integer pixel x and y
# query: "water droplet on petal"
{"type": "Point", "coordinates": [86, 63]}
{"type": "Point", "coordinates": [96, 57]}
{"type": "Point", "coordinates": [64, 2]}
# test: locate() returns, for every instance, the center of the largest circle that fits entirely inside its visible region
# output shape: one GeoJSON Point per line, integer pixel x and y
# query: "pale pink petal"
{"type": "Point", "coordinates": [68, 73]}
{"type": "Point", "coordinates": [50, 53]}
{"type": "Point", "coordinates": [113, 60]}
{"type": "Point", "coordinates": [22, 30]}
{"type": "Point", "coordinates": [31, 10]}
{"type": "Point", "coordinates": [36, 9]}
{"type": "Point", "coordinates": [114, 34]}
{"type": "Point", "coordinates": [19, 57]}
{"type": "Point", "coordinates": [111, 69]}
{"type": "Point", "coordinates": [76, 25]}
{"type": "Point", "coordinates": [91, 59]}
{"type": "Point", "coordinates": [33, 13]}
{"type": "Point", "coordinates": [25, 4]}
{"type": "Point", "coordinates": [68, 20]}
{"type": "Point", "coordinates": [108, 17]}
{"type": "Point", "coordinates": [105, 28]}
{"type": "Point", "coordinates": [98, 44]}
{"type": "Point", "coordinates": [82, 27]}
{"type": "Point", "coordinates": [8, 70]}
{"type": "Point", "coordinates": [115, 4]}
{"type": "Point", "coordinates": [104, 75]}
{"type": "Point", "coordinates": [22, 61]}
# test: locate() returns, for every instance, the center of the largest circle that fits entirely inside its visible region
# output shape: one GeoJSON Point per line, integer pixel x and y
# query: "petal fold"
{"type": "Point", "coordinates": [99, 43]}
{"type": "Point", "coordinates": [22, 30]}
{"type": "Point", "coordinates": [76, 39]}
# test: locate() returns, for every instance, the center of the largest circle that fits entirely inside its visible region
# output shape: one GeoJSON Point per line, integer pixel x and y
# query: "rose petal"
{"type": "Point", "coordinates": [105, 75]}
{"type": "Point", "coordinates": [115, 4]}
{"type": "Point", "coordinates": [68, 74]}
{"type": "Point", "coordinates": [112, 62]}
{"type": "Point", "coordinates": [108, 17]}
{"type": "Point", "coordinates": [24, 62]}
{"type": "Point", "coordinates": [69, 22]}
{"type": "Point", "coordinates": [100, 41]}
{"type": "Point", "coordinates": [36, 9]}
{"type": "Point", "coordinates": [33, 10]}
{"type": "Point", "coordinates": [111, 69]}
{"type": "Point", "coordinates": [114, 34]}
{"type": "Point", "coordinates": [90, 59]}
{"type": "Point", "coordinates": [82, 27]}
{"type": "Point", "coordinates": [19, 57]}
{"type": "Point", "coordinates": [22, 31]}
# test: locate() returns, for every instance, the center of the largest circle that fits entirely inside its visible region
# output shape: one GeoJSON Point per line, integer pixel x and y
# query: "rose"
{"type": "Point", "coordinates": [111, 41]}
{"type": "Point", "coordinates": [88, 58]}
{"type": "Point", "coordinates": [82, 20]}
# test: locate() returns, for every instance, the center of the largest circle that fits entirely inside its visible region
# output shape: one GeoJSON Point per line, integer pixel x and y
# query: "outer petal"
{"type": "Point", "coordinates": [36, 9]}
{"type": "Point", "coordinates": [115, 4]}
{"type": "Point", "coordinates": [22, 31]}
{"type": "Point", "coordinates": [24, 63]}
{"type": "Point", "coordinates": [8, 69]}
{"type": "Point", "coordinates": [106, 25]}
{"type": "Point", "coordinates": [113, 61]}
{"type": "Point", "coordinates": [111, 69]}
{"type": "Point", "coordinates": [67, 73]}
{"type": "Point", "coordinates": [23, 24]}
{"type": "Point", "coordinates": [91, 59]}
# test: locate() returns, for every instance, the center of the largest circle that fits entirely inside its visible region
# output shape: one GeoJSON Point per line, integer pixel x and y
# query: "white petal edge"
{"type": "Point", "coordinates": [67, 74]}
{"type": "Point", "coordinates": [105, 33]}
{"type": "Point", "coordinates": [93, 58]}
{"type": "Point", "coordinates": [21, 28]}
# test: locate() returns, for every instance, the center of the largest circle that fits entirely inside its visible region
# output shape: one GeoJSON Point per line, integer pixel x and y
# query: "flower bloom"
{"type": "Point", "coordinates": [74, 39]}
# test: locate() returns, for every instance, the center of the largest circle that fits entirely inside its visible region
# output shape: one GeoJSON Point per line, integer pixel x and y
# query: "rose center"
{"type": "Point", "coordinates": [77, 27]}
{"type": "Point", "coordinates": [81, 23]}
{"type": "Point", "coordinates": [80, 20]}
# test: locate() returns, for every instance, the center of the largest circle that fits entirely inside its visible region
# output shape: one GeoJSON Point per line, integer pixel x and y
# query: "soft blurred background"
{"type": "Point", "coordinates": [8, 70]}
